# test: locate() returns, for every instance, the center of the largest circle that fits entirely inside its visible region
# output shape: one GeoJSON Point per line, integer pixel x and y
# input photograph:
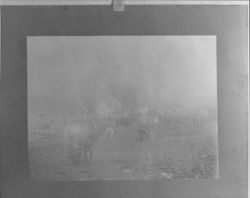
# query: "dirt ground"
{"type": "Point", "coordinates": [177, 152]}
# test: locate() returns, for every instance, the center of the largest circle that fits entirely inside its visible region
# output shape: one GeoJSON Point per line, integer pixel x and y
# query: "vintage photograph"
{"type": "Point", "coordinates": [122, 107]}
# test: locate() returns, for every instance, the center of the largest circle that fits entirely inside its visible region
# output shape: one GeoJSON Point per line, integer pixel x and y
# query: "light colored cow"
{"type": "Point", "coordinates": [71, 132]}
{"type": "Point", "coordinates": [87, 142]}
{"type": "Point", "coordinates": [109, 132]}
{"type": "Point", "coordinates": [81, 139]}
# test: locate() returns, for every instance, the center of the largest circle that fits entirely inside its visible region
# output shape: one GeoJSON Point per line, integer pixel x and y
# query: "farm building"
{"type": "Point", "coordinates": [108, 106]}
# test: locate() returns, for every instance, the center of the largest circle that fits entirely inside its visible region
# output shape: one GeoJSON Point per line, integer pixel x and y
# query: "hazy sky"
{"type": "Point", "coordinates": [162, 69]}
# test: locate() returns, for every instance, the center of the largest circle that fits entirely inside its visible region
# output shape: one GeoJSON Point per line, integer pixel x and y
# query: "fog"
{"type": "Point", "coordinates": [73, 73]}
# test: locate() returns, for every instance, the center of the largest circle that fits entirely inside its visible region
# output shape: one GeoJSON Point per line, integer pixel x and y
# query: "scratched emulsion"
{"type": "Point", "coordinates": [122, 107]}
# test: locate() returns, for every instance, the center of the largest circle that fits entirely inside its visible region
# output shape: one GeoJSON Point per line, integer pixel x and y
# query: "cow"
{"type": "Point", "coordinates": [71, 132]}
{"type": "Point", "coordinates": [143, 131]}
{"type": "Point", "coordinates": [123, 121]}
{"type": "Point", "coordinates": [109, 132]}
{"type": "Point", "coordinates": [144, 127]}
{"type": "Point", "coordinates": [81, 140]}
{"type": "Point", "coordinates": [86, 142]}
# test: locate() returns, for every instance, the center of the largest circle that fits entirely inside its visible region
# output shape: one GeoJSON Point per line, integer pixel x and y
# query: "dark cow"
{"type": "Point", "coordinates": [143, 131]}
{"type": "Point", "coordinates": [124, 121]}
{"type": "Point", "coordinates": [144, 128]}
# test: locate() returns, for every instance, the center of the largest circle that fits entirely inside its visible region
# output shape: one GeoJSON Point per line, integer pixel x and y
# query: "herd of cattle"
{"type": "Point", "coordinates": [81, 138]}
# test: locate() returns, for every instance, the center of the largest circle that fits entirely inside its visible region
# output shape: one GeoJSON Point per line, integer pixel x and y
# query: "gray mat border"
{"type": "Point", "coordinates": [228, 23]}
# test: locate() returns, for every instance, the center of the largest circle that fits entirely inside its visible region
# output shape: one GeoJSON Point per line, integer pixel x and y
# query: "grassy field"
{"type": "Point", "coordinates": [177, 152]}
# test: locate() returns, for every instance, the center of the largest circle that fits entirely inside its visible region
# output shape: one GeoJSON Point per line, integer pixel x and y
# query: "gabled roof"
{"type": "Point", "coordinates": [110, 101]}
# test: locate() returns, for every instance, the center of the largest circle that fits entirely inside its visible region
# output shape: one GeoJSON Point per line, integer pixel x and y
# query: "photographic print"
{"type": "Point", "coordinates": [122, 107]}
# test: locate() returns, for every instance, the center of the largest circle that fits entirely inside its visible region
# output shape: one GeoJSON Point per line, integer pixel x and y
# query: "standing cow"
{"type": "Point", "coordinates": [144, 127]}
{"type": "Point", "coordinates": [123, 121]}
{"type": "Point", "coordinates": [109, 132]}
{"type": "Point", "coordinates": [71, 132]}
{"type": "Point", "coordinates": [86, 142]}
{"type": "Point", "coordinates": [81, 141]}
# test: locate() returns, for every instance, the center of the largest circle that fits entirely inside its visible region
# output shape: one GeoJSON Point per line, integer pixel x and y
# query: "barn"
{"type": "Point", "coordinates": [108, 106]}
